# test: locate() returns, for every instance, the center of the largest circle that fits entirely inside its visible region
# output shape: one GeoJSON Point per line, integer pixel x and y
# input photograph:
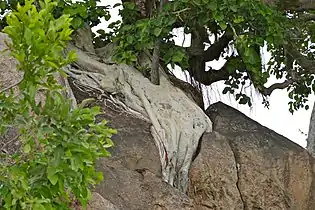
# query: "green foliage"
{"type": "Point", "coordinates": [85, 12]}
{"type": "Point", "coordinates": [251, 23]}
{"type": "Point", "coordinates": [145, 32]}
{"type": "Point", "coordinates": [56, 161]}
{"type": "Point", "coordinates": [81, 12]}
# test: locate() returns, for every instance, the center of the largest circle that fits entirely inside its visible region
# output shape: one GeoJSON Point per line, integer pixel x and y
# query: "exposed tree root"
{"type": "Point", "coordinates": [67, 92]}
{"type": "Point", "coordinates": [177, 122]}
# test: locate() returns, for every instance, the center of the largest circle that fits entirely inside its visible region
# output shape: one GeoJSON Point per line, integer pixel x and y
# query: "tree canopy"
{"type": "Point", "coordinates": [240, 29]}
{"type": "Point", "coordinates": [233, 29]}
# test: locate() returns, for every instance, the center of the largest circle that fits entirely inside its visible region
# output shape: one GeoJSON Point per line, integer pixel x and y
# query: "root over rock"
{"type": "Point", "coordinates": [177, 122]}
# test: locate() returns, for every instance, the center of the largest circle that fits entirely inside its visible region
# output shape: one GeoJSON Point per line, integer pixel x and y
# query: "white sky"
{"type": "Point", "coordinates": [277, 118]}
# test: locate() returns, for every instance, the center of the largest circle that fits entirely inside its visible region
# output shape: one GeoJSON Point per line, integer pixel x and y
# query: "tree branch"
{"type": "Point", "coordinates": [282, 85]}
{"type": "Point", "coordinates": [291, 76]}
{"type": "Point", "coordinates": [297, 5]}
{"type": "Point", "coordinates": [211, 76]}
{"type": "Point", "coordinates": [155, 74]}
{"type": "Point", "coordinates": [215, 50]}
{"type": "Point", "coordinates": [307, 64]}
{"type": "Point", "coordinates": [308, 17]}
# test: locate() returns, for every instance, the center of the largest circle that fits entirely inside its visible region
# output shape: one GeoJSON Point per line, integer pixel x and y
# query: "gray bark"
{"type": "Point", "coordinates": [311, 134]}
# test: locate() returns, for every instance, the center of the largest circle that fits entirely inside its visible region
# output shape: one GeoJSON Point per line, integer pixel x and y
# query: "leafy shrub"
{"type": "Point", "coordinates": [60, 145]}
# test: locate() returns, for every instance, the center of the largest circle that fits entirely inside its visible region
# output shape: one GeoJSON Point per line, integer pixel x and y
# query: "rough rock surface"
{"type": "Point", "coordinates": [9, 77]}
{"type": "Point", "coordinates": [268, 170]}
{"type": "Point", "coordinates": [132, 176]}
{"type": "Point", "coordinates": [213, 175]}
{"type": "Point", "coordinates": [8, 74]}
{"type": "Point", "coordinates": [99, 203]}
{"type": "Point", "coordinates": [241, 165]}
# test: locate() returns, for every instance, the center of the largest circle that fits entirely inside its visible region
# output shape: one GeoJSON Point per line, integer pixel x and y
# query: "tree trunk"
{"type": "Point", "coordinates": [178, 123]}
{"type": "Point", "coordinates": [311, 134]}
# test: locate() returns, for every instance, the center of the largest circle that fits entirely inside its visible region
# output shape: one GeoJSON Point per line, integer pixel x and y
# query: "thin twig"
{"type": "Point", "coordinates": [180, 11]}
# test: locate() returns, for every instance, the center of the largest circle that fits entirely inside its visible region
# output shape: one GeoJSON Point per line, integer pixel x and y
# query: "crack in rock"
{"type": "Point", "coordinates": [237, 167]}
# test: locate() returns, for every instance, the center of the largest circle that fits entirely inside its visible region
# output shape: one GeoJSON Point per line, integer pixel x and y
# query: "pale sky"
{"type": "Point", "coordinates": [277, 118]}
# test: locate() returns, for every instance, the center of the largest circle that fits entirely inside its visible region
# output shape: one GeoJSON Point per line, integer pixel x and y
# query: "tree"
{"type": "Point", "coordinates": [245, 27]}
{"type": "Point", "coordinates": [233, 29]}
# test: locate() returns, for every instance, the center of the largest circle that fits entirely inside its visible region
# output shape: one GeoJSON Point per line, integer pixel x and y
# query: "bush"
{"type": "Point", "coordinates": [60, 145]}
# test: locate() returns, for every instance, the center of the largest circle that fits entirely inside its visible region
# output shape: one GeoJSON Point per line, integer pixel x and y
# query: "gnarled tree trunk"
{"type": "Point", "coordinates": [177, 121]}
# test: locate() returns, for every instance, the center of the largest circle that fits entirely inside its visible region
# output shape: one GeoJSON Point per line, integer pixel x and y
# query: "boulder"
{"type": "Point", "coordinates": [132, 176]}
{"type": "Point", "coordinates": [244, 165]}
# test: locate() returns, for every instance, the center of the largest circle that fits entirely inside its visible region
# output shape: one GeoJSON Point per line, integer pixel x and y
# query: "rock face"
{"type": "Point", "coordinates": [243, 165]}
{"type": "Point", "coordinates": [99, 203]}
{"type": "Point", "coordinates": [132, 176]}
{"type": "Point", "coordinates": [213, 175]}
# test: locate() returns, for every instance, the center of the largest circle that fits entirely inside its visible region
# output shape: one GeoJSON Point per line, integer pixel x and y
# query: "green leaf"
{"type": "Point", "coordinates": [243, 100]}
{"type": "Point", "coordinates": [178, 56]}
{"type": "Point", "coordinates": [101, 31]}
{"type": "Point", "coordinates": [53, 179]}
{"type": "Point", "coordinates": [223, 25]}
{"type": "Point", "coordinates": [27, 148]}
{"type": "Point", "coordinates": [130, 39]}
{"type": "Point", "coordinates": [226, 89]}
{"type": "Point", "coordinates": [213, 5]}
{"type": "Point", "coordinates": [233, 7]}
{"type": "Point", "coordinates": [99, 176]}
{"type": "Point", "coordinates": [239, 19]}
{"type": "Point", "coordinates": [77, 22]}
{"type": "Point", "coordinates": [129, 5]}
{"type": "Point", "coordinates": [39, 206]}
{"type": "Point", "coordinates": [59, 152]}
{"type": "Point", "coordinates": [252, 56]}
{"type": "Point", "coordinates": [117, 5]}
{"type": "Point", "coordinates": [218, 16]}
{"type": "Point", "coordinates": [28, 35]}
{"type": "Point", "coordinates": [109, 143]}
{"type": "Point", "coordinates": [72, 56]}
{"type": "Point", "coordinates": [157, 31]}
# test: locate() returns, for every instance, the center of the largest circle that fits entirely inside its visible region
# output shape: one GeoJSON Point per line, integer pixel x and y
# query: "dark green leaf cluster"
{"type": "Point", "coordinates": [60, 145]}
{"type": "Point", "coordinates": [137, 35]}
